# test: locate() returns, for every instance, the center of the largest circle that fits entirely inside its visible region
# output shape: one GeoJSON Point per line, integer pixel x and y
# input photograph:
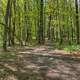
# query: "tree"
{"type": "Point", "coordinates": [6, 26]}
{"type": "Point", "coordinates": [77, 21]}
{"type": "Point", "coordinates": [41, 38]}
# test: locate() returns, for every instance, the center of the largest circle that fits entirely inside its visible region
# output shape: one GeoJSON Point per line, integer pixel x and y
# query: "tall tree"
{"type": "Point", "coordinates": [77, 21]}
{"type": "Point", "coordinates": [6, 26]}
{"type": "Point", "coordinates": [41, 38]}
{"type": "Point", "coordinates": [14, 22]}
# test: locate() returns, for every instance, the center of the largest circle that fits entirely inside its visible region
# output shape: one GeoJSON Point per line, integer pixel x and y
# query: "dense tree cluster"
{"type": "Point", "coordinates": [27, 21]}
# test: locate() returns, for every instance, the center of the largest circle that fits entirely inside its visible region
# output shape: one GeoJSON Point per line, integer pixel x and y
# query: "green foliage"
{"type": "Point", "coordinates": [26, 16]}
{"type": "Point", "coordinates": [7, 55]}
{"type": "Point", "coordinates": [72, 48]}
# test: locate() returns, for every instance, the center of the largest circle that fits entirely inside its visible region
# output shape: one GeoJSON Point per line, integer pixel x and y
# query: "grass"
{"type": "Point", "coordinates": [7, 55]}
{"type": "Point", "coordinates": [69, 47]}
{"type": "Point", "coordinates": [72, 48]}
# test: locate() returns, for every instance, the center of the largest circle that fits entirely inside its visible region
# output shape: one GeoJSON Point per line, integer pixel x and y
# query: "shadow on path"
{"type": "Point", "coordinates": [32, 65]}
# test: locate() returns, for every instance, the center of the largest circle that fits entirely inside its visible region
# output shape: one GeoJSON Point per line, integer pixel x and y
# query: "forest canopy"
{"type": "Point", "coordinates": [39, 21]}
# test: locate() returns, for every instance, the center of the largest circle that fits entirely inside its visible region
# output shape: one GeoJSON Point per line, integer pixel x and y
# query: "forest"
{"type": "Point", "coordinates": [39, 39]}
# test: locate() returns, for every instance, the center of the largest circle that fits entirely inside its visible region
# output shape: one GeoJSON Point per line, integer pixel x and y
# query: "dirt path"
{"type": "Point", "coordinates": [40, 64]}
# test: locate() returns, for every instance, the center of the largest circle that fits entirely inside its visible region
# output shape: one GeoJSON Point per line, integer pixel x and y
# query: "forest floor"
{"type": "Point", "coordinates": [39, 63]}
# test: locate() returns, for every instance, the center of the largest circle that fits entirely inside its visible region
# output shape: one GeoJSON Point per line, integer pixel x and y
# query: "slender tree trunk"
{"type": "Point", "coordinates": [6, 26]}
{"type": "Point", "coordinates": [49, 28]}
{"type": "Point", "coordinates": [41, 38]}
{"type": "Point", "coordinates": [14, 23]}
{"type": "Point", "coordinates": [9, 31]}
{"type": "Point", "coordinates": [77, 20]}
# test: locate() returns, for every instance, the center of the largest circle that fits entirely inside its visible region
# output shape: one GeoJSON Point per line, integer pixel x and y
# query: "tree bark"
{"type": "Point", "coordinates": [41, 38]}
{"type": "Point", "coordinates": [77, 20]}
{"type": "Point", "coordinates": [6, 26]}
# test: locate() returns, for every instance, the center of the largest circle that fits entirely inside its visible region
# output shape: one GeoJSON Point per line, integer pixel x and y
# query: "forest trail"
{"type": "Point", "coordinates": [39, 39]}
{"type": "Point", "coordinates": [41, 63]}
